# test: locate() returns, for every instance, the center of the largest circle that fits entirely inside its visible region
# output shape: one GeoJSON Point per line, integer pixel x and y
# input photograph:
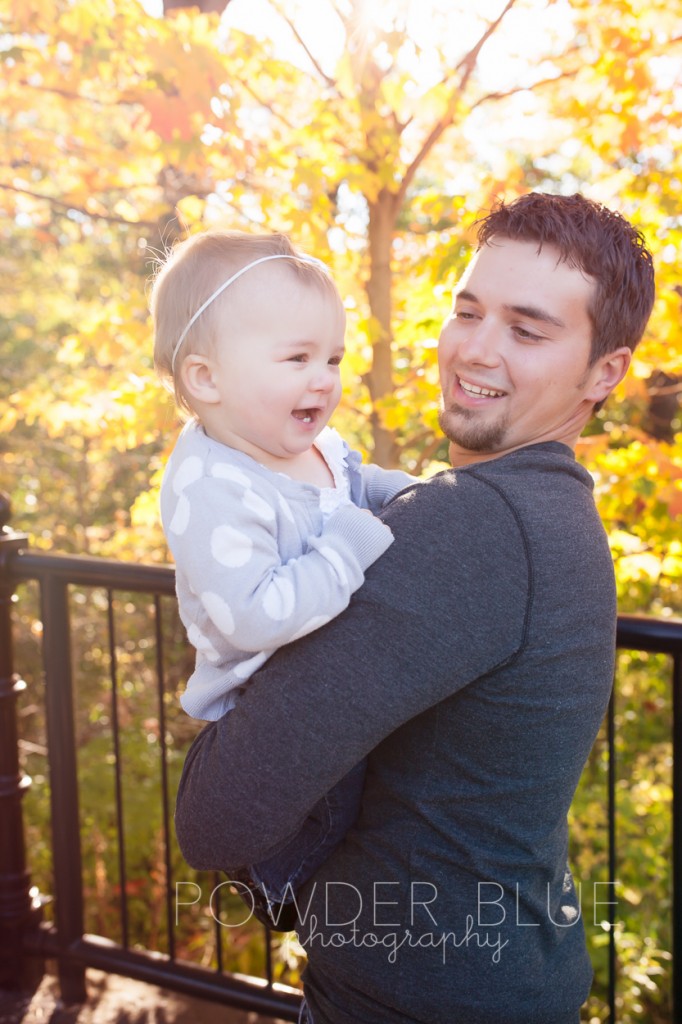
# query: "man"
{"type": "Point", "coordinates": [473, 667]}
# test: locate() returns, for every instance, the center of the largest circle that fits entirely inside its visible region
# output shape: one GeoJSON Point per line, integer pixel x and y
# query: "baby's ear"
{"type": "Point", "coordinates": [608, 372]}
{"type": "Point", "coordinates": [196, 375]}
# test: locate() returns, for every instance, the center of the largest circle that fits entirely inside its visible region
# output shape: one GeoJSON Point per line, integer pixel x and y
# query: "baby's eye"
{"type": "Point", "coordinates": [300, 357]}
{"type": "Point", "coordinates": [335, 360]}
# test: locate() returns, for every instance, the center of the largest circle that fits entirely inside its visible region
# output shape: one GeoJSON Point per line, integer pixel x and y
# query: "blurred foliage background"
{"type": "Point", "coordinates": [374, 132]}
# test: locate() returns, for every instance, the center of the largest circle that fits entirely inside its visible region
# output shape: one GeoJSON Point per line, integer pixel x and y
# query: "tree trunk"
{"type": "Point", "coordinates": [379, 379]}
{"type": "Point", "coordinates": [205, 6]}
{"type": "Point", "coordinates": [662, 418]}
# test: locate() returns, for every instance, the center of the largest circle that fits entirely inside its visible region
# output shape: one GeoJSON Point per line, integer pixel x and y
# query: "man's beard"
{"type": "Point", "coordinates": [460, 427]}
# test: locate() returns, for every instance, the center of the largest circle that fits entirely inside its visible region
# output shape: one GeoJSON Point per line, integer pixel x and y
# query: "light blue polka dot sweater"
{"type": "Point", "coordinates": [262, 559]}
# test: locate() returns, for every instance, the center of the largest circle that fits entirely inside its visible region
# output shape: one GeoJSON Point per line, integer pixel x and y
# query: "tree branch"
{"type": "Point", "coordinates": [311, 56]}
{"type": "Point", "coordinates": [541, 83]}
{"type": "Point", "coordinates": [428, 452]}
{"type": "Point", "coordinates": [68, 95]}
{"type": "Point", "coordinates": [468, 62]}
{"type": "Point", "coordinates": [466, 66]}
{"type": "Point", "coordinates": [62, 205]}
{"type": "Point", "coordinates": [277, 113]}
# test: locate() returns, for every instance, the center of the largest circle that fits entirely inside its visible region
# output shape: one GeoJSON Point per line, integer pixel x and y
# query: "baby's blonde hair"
{"type": "Point", "coordinates": [191, 273]}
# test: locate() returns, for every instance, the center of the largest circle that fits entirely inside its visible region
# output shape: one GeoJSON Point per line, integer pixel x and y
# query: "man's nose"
{"type": "Point", "coordinates": [481, 344]}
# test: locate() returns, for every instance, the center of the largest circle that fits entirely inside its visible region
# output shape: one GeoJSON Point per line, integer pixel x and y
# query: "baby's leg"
{"type": "Point", "coordinates": [273, 883]}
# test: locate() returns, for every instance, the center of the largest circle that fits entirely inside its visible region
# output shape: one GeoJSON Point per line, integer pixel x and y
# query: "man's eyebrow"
{"type": "Point", "coordinates": [532, 312]}
{"type": "Point", "coordinates": [536, 313]}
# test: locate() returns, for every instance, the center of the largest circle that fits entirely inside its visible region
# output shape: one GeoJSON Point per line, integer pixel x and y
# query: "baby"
{"type": "Point", "coordinates": [270, 517]}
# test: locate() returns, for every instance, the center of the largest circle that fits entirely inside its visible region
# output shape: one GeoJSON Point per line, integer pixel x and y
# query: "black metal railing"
{"type": "Point", "coordinates": [25, 931]}
{"type": "Point", "coordinates": [22, 933]}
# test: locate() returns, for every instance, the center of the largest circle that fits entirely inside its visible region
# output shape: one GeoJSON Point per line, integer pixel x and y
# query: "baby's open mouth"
{"type": "Point", "coordinates": [305, 415]}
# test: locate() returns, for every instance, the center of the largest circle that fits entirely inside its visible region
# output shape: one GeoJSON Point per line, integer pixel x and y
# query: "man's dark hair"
{"type": "Point", "coordinates": [596, 240]}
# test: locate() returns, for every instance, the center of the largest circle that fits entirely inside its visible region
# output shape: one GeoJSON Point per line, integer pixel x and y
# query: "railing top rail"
{"type": "Point", "coordinates": [638, 632]}
{"type": "Point", "coordinates": [646, 633]}
{"type": "Point", "coordinates": [86, 570]}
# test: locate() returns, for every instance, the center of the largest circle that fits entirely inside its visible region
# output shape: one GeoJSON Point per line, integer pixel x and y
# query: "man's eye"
{"type": "Point", "coordinates": [462, 314]}
{"type": "Point", "coordinates": [525, 335]}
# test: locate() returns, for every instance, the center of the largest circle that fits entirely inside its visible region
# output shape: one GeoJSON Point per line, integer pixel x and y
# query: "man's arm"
{"type": "Point", "coordinates": [425, 623]}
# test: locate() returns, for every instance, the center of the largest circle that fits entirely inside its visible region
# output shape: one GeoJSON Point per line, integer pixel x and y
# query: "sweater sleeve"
{"type": "Point", "coordinates": [378, 486]}
{"type": "Point", "coordinates": [426, 623]}
{"type": "Point", "coordinates": [243, 594]}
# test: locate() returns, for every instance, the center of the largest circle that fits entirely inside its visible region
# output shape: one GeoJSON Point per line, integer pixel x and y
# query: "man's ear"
{"type": "Point", "coordinates": [196, 375]}
{"type": "Point", "coordinates": [607, 373]}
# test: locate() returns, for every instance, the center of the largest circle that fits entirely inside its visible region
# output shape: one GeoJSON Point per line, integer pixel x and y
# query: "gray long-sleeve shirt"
{"type": "Point", "coordinates": [473, 667]}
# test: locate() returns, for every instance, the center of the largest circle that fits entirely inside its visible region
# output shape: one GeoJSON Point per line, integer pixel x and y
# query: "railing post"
{"type": "Point", "coordinates": [61, 745]}
{"type": "Point", "coordinates": [20, 909]}
{"type": "Point", "coordinates": [677, 838]}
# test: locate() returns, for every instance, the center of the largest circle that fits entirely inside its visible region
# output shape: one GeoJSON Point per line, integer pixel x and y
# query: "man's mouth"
{"type": "Point", "coordinates": [477, 389]}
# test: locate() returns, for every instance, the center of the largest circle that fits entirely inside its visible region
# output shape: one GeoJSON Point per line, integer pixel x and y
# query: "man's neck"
{"type": "Point", "coordinates": [460, 457]}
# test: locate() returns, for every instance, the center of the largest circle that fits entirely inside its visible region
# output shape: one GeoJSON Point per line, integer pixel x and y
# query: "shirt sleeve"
{"type": "Point", "coordinates": [426, 623]}
{"type": "Point", "coordinates": [239, 591]}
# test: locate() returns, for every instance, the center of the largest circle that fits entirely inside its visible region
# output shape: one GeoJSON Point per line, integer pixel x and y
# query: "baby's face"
{"type": "Point", "coordinates": [276, 370]}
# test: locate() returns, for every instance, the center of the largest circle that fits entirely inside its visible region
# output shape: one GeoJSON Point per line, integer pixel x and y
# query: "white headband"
{"type": "Point", "coordinates": [225, 284]}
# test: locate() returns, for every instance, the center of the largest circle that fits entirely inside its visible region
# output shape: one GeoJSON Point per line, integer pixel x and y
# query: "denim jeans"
{"type": "Point", "coordinates": [322, 831]}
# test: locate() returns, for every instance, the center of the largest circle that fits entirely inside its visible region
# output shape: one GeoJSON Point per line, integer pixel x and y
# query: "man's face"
{"type": "Point", "coordinates": [514, 353]}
